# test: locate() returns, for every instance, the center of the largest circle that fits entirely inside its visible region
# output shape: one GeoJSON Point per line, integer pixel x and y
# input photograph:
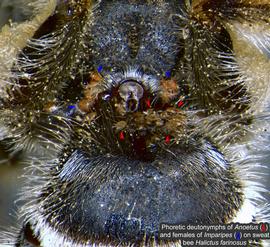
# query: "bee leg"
{"type": "Point", "coordinates": [27, 238]}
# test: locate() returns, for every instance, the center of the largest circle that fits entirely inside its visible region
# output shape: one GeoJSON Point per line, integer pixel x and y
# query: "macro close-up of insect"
{"type": "Point", "coordinates": [127, 114]}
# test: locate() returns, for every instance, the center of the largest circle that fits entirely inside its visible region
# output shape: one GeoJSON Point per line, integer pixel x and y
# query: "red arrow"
{"type": "Point", "coordinates": [167, 139]}
{"type": "Point", "coordinates": [122, 136]}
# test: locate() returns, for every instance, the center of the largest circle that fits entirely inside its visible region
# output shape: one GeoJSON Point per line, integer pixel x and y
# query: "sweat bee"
{"type": "Point", "coordinates": [132, 113]}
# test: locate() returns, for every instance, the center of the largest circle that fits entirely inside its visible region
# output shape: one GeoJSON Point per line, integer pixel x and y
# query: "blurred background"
{"type": "Point", "coordinates": [11, 168]}
{"type": "Point", "coordinates": [12, 10]}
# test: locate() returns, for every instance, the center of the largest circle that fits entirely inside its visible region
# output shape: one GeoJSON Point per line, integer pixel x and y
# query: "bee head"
{"type": "Point", "coordinates": [140, 105]}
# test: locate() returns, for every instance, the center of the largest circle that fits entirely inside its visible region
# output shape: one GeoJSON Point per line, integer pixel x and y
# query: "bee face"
{"type": "Point", "coordinates": [135, 113]}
